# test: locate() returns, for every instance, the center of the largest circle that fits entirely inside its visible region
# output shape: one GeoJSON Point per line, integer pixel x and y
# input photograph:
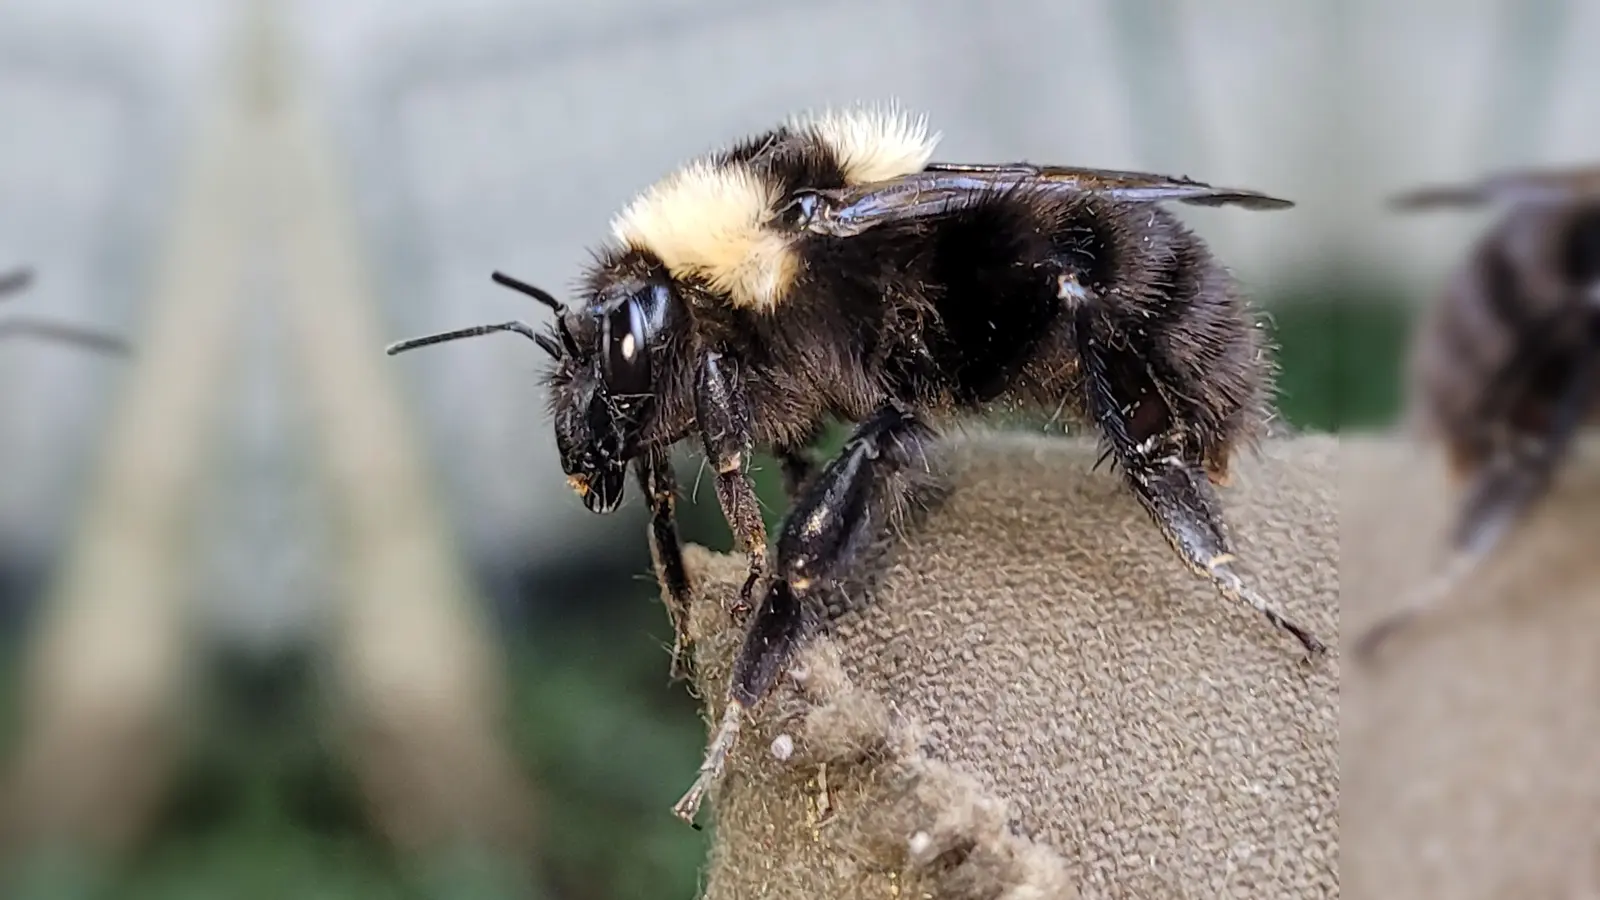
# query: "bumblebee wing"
{"type": "Point", "coordinates": [941, 188]}
{"type": "Point", "coordinates": [1512, 187]}
{"type": "Point", "coordinates": [1120, 184]}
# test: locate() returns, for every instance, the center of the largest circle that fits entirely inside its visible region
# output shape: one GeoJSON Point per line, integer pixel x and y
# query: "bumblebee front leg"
{"type": "Point", "coordinates": [723, 413]}
{"type": "Point", "coordinates": [660, 490]}
{"type": "Point", "coordinates": [1166, 476]}
{"type": "Point", "coordinates": [824, 538]}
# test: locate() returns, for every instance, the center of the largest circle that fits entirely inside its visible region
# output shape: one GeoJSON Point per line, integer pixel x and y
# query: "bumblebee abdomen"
{"type": "Point", "coordinates": [991, 287]}
{"type": "Point", "coordinates": [1510, 295]}
{"type": "Point", "coordinates": [974, 307]}
{"type": "Point", "coordinates": [1152, 283]}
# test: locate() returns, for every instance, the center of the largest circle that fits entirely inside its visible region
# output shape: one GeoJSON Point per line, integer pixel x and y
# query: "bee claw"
{"type": "Point", "coordinates": [740, 609]}
{"type": "Point", "coordinates": [1419, 603]}
{"type": "Point", "coordinates": [1232, 587]}
{"type": "Point", "coordinates": [1371, 641]}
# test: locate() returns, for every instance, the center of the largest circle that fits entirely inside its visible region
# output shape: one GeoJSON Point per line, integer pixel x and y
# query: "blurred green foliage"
{"type": "Point", "coordinates": [1341, 358]}
{"type": "Point", "coordinates": [265, 807]}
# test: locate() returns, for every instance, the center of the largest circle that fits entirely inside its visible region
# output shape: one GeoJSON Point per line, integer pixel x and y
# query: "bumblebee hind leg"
{"type": "Point", "coordinates": [825, 537]}
{"type": "Point", "coordinates": [1500, 494]}
{"type": "Point", "coordinates": [1163, 467]}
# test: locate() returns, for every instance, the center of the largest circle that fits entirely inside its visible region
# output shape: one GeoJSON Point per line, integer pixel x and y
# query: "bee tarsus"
{"type": "Point", "coordinates": [659, 486]}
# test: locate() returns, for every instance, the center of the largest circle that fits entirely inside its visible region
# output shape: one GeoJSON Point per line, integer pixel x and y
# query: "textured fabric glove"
{"type": "Point", "coordinates": [1039, 701]}
{"type": "Point", "coordinates": [1472, 742]}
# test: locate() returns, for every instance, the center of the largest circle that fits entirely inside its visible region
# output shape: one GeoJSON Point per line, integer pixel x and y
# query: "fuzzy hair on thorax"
{"type": "Point", "coordinates": [710, 221]}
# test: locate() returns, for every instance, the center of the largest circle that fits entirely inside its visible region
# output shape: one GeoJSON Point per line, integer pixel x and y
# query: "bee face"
{"type": "Point", "coordinates": [605, 396]}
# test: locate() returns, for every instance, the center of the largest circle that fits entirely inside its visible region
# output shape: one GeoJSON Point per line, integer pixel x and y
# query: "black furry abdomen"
{"type": "Point", "coordinates": [988, 281]}
{"type": "Point", "coordinates": [948, 310]}
{"type": "Point", "coordinates": [966, 311]}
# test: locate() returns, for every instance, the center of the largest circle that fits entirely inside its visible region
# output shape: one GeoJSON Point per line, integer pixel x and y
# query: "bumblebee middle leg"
{"type": "Point", "coordinates": [724, 415]}
{"type": "Point", "coordinates": [824, 539]}
{"type": "Point", "coordinates": [1162, 465]}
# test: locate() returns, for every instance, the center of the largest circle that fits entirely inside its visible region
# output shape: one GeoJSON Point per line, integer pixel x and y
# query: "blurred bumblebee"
{"type": "Point", "coordinates": [24, 326]}
{"type": "Point", "coordinates": [827, 269]}
{"type": "Point", "coordinates": [1505, 367]}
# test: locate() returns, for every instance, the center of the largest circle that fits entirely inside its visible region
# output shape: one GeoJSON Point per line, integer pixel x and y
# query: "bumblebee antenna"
{"type": "Point", "coordinates": [11, 282]}
{"type": "Point", "coordinates": [567, 347]}
{"type": "Point", "coordinates": [88, 338]}
{"type": "Point", "coordinates": [539, 294]}
{"type": "Point", "coordinates": [67, 334]}
{"type": "Point", "coordinates": [543, 296]}
{"type": "Point", "coordinates": [521, 328]}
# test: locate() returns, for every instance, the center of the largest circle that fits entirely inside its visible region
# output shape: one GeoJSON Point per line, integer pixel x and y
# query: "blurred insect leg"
{"type": "Point", "coordinates": [1422, 601]}
{"type": "Point", "coordinates": [1172, 488]}
{"type": "Point", "coordinates": [798, 467]}
{"type": "Point", "coordinates": [1463, 460]}
{"type": "Point", "coordinates": [799, 464]}
{"type": "Point", "coordinates": [1502, 494]}
{"type": "Point", "coordinates": [841, 515]}
{"type": "Point", "coordinates": [724, 416]}
{"type": "Point", "coordinates": [61, 332]}
{"type": "Point", "coordinates": [661, 492]}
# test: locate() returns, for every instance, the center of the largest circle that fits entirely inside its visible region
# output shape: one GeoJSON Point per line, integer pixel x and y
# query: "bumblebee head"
{"type": "Point", "coordinates": [607, 385]}
{"type": "Point", "coordinates": [606, 358]}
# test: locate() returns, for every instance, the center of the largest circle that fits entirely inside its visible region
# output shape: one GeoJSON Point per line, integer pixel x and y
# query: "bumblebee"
{"type": "Point", "coordinates": [828, 270]}
{"type": "Point", "coordinates": [19, 326]}
{"type": "Point", "coordinates": [1505, 367]}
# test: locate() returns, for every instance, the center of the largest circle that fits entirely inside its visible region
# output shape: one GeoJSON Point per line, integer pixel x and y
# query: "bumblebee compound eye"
{"type": "Point", "coordinates": [627, 351]}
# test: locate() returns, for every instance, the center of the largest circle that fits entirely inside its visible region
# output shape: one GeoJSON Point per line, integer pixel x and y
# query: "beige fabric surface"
{"type": "Point", "coordinates": [1041, 702]}
{"type": "Point", "coordinates": [1472, 744]}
